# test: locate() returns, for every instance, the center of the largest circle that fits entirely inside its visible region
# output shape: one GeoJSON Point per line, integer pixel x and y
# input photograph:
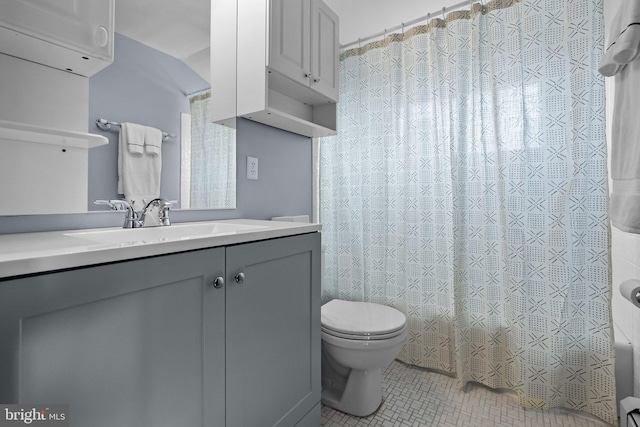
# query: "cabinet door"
{"type": "Point", "coordinates": [83, 25]}
{"type": "Point", "coordinates": [324, 48]}
{"type": "Point", "coordinates": [126, 344]}
{"type": "Point", "coordinates": [273, 331]}
{"type": "Point", "coordinates": [289, 52]}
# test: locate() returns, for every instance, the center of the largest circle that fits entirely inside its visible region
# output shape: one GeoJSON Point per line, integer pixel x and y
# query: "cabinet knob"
{"type": "Point", "coordinates": [240, 277]}
{"type": "Point", "coordinates": [307, 75]}
{"type": "Point", "coordinates": [218, 282]}
{"type": "Point", "coordinates": [102, 36]}
{"type": "Point", "coordinates": [316, 80]}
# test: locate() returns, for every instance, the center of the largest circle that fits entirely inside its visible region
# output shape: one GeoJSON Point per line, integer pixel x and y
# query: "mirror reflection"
{"type": "Point", "coordinates": [207, 184]}
{"type": "Point", "coordinates": [159, 78]}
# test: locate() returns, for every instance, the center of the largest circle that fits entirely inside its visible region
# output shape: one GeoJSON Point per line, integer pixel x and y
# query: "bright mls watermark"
{"type": "Point", "coordinates": [34, 415]}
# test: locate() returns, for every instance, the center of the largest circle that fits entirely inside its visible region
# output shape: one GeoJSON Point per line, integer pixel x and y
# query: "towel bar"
{"type": "Point", "coordinates": [106, 125]}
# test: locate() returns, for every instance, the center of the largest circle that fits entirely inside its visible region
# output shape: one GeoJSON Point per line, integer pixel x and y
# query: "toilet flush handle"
{"type": "Point", "coordinates": [240, 278]}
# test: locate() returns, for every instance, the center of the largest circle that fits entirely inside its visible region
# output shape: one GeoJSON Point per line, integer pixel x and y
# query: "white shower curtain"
{"type": "Point", "coordinates": [467, 187]}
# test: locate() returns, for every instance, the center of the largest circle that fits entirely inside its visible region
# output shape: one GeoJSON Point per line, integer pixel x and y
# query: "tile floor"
{"type": "Point", "coordinates": [416, 397]}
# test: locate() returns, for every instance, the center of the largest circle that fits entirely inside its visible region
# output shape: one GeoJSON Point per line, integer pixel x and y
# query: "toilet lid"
{"type": "Point", "coordinates": [361, 318]}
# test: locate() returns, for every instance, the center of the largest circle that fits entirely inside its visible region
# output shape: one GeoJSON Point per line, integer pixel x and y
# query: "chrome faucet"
{"type": "Point", "coordinates": [155, 213]}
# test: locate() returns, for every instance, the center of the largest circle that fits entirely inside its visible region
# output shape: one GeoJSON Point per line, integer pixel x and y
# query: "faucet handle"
{"type": "Point", "coordinates": [114, 204]}
{"type": "Point", "coordinates": [164, 212]}
{"type": "Point", "coordinates": [131, 220]}
{"type": "Point", "coordinates": [105, 202]}
{"type": "Point", "coordinates": [120, 205]}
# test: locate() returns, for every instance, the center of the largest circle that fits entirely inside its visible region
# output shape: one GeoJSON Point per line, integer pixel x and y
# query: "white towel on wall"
{"type": "Point", "coordinates": [138, 172]}
{"type": "Point", "coordinates": [135, 138]}
{"type": "Point", "coordinates": [622, 60]}
{"type": "Point", "coordinates": [152, 141]}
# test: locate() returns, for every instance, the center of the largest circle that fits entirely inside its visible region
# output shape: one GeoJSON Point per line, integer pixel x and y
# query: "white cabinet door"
{"type": "Point", "coordinates": [304, 44]}
{"type": "Point", "coordinates": [70, 35]}
{"type": "Point", "coordinates": [83, 25]}
{"type": "Point", "coordinates": [324, 48]}
{"type": "Point", "coordinates": [290, 39]}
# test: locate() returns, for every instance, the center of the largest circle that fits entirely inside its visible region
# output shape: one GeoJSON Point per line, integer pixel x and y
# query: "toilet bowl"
{"type": "Point", "coordinates": [359, 340]}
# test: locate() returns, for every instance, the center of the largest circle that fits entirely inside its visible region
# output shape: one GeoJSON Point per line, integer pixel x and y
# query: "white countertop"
{"type": "Point", "coordinates": [28, 253]}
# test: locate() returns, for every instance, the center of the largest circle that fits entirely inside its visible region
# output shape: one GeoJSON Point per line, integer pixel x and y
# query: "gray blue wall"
{"type": "Point", "coordinates": [148, 87]}
{"type": "Point", "coordinates": [145, 86]}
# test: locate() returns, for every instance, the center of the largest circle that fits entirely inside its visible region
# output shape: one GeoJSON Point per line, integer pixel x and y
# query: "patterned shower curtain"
{"type": "Point", "coordinates": [213, 183]}
{"type": "Point", "coordinates": [467, 187]}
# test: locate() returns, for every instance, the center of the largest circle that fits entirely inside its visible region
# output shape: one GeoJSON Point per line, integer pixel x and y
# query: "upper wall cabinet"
{"type": "Point", "coordinates": [283, 68]}
{"type": "Point", "coordinates": [70, 35]}
{"type": "Point", "coordinates": [303, 44]}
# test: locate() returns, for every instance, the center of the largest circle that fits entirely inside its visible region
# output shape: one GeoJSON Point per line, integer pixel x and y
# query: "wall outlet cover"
{"type": "Point", "coordinates": [252, 168]}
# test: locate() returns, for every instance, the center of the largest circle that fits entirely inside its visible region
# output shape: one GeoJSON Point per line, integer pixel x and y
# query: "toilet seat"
{"type": "Point", "coordinates": [356, 320]}
{"type": "Point", "coordinates": [362, 337]}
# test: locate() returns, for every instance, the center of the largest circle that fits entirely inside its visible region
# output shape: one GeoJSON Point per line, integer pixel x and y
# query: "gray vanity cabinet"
{"type": "Point", "coordinates": [126, 344]}
{"type": "Point", "coordinates": [152, 342]}
{"type": "Point", "coordinates": [273, 332]}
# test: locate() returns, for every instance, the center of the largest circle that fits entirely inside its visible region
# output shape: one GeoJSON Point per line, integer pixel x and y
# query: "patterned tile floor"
{"type": "Point", "coordinates": [416, 397]}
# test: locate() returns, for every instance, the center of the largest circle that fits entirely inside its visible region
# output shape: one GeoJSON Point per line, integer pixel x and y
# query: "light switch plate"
{"type": "Point", "coordinates": [252, 167]}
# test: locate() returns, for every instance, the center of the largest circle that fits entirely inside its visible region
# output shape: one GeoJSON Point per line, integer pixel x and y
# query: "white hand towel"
{"type": "Point", "coordinates": [153, 141]}
{"type": "Point", "coordinates": [138, 173]}
{"type": "Point", "coordinates": [134, 137]}
{"type": "Point", "coordinates": [621, 60]}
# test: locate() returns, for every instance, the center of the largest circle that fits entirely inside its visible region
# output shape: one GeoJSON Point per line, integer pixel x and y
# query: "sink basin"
{"type": "Point", "coordinates": [185, 231]}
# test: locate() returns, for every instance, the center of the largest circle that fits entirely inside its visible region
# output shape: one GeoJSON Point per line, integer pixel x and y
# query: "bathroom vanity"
{"type": "Point", "coordinates": [202, 326]}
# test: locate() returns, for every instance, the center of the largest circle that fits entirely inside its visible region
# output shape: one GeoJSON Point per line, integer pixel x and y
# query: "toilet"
{"type": "Point", "coordinates": [359, 340]}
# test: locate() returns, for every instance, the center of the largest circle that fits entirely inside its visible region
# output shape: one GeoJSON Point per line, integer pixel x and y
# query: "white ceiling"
{"type": "Point", "coordinates": [180, 28]}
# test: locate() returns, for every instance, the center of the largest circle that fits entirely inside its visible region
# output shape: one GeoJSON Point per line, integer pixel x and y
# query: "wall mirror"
{"type": "Point", "coordinates": [148, 84]}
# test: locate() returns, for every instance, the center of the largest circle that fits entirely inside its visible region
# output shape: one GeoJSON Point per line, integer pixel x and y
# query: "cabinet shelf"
{"type": "Point", "coordinates": [43, 169]}
{"type": "Point", "coordinates": [24, 132]}
{"type": "Point", "coordinates": [288, 114]}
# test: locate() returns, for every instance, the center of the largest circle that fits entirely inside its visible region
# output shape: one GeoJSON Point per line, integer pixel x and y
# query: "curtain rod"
{"type": "Point", "coordinates": [198, 92]}
{"type": "Point", "coordinates": [444, 10]}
